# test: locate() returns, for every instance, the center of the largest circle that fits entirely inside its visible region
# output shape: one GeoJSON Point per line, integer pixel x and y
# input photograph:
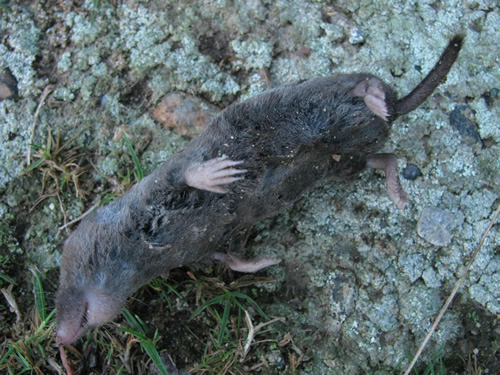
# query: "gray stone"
{"type": "Point", "coordinates": [435, 226]}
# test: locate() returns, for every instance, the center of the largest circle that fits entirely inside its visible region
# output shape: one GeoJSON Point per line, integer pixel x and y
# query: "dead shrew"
{"type": "Point", "coordinates": [255, 158]}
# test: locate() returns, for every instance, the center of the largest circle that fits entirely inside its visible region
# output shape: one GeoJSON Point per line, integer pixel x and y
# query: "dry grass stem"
{"type": "Point", "coordinates": [78, 218]}
{"type": "Point", "coordinates": [252, 331]}
{"type": "Point", "coordinates": [12, 302]}
{"type": "Point", "coordinates": [46, 91]}
{"type": "Point", "coordinates": [59, 164]}
{"type": "Point", "coordinates": [458, 284]}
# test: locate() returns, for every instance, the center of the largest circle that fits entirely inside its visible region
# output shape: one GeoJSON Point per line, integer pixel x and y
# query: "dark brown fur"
{"type": "Point", "coordinates": [290, 139]}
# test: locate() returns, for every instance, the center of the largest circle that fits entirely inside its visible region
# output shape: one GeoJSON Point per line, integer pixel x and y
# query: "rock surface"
{"type": "Point", "coordinates": [358, 285]}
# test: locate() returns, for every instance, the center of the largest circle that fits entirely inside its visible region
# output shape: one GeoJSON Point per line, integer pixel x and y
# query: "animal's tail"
{"type": "Point", "coordinates": [432, 80]}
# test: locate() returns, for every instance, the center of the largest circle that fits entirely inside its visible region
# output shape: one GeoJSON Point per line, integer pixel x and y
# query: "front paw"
{"type": "Point", "coordinates": [213, 174]}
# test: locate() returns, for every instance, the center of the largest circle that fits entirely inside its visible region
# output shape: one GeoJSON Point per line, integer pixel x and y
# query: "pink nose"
{"type": "Point", "coordinates": [66, 335]}
{"type": "Point", "coordinates": [60, 340]}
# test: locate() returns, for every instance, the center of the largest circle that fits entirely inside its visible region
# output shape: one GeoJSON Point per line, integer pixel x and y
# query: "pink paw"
{"type": "Point", "coordinates": [213, 174]}
{"type": "Point", "coordinates": [242, 265]}
{"type": "Point", "coordinates": [374, 96]}
{"type": "Point", "coordinates": [389, 164]}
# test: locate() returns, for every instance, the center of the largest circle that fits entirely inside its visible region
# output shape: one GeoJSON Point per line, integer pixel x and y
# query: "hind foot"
{"type": "Point", "coordinates": [388, 163]}
{"type": "Point", "coordinates": [242, 265]}
{"type": "Point", "coordinates": [372, 92]}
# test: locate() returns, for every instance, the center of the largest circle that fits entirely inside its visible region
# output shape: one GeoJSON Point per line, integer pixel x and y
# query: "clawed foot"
{"type": "Point", "coordinates": [388, 163]}
{"type": "Point", "coordinates": [213, 174]}
{"type": "Point", "coordinates": [242, 265]}
{"type": "Point", "coordinates": [374, 96]}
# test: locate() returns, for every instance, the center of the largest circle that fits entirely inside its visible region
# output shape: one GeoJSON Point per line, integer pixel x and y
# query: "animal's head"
{"type": "Point", "coordinates": [98, 273]}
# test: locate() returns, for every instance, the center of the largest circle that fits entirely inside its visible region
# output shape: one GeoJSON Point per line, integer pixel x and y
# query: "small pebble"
{"type": "Point", "coordinates": [8, 85]}
{"type": "Point", "coordinates": [462, 118]}
{"type": "Point", "coordinates": [186, 115]}
{"type": "Point", "coordinates": [356, 36]}
{"type": "Point", "coordinates": [411, 172]}
{"type": "Point", "coordinates": [435, 225]}
{"type": "Point", "coordinates": [492, 97]}
{"type": "Point", "coordinates": [303, 52]}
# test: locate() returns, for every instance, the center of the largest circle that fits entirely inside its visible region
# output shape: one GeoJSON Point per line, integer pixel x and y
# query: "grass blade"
{"type": "Point", "coordinates": [155, 356]}
{"type": "Point", "coordinates": [139, 331]}
{"type": "Point", "coordinates": [252, 302]}
{"type": "Point", "coordinates": [33, 166]}
{"type": "Point", "coordinates": [223, 323]}
{"type": "Point", "coordinates": [9, 279]}
{"type": "Point", "coordinates": [7, 355]}
{"type": "Point", "coordinates": [139, 173]}
{"type": "Point", "coordinates": [213, 301]}
{"type": "Point", "coordinates": [135, 322]}
{"type": "Point", "coordinates": [40, 305]}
